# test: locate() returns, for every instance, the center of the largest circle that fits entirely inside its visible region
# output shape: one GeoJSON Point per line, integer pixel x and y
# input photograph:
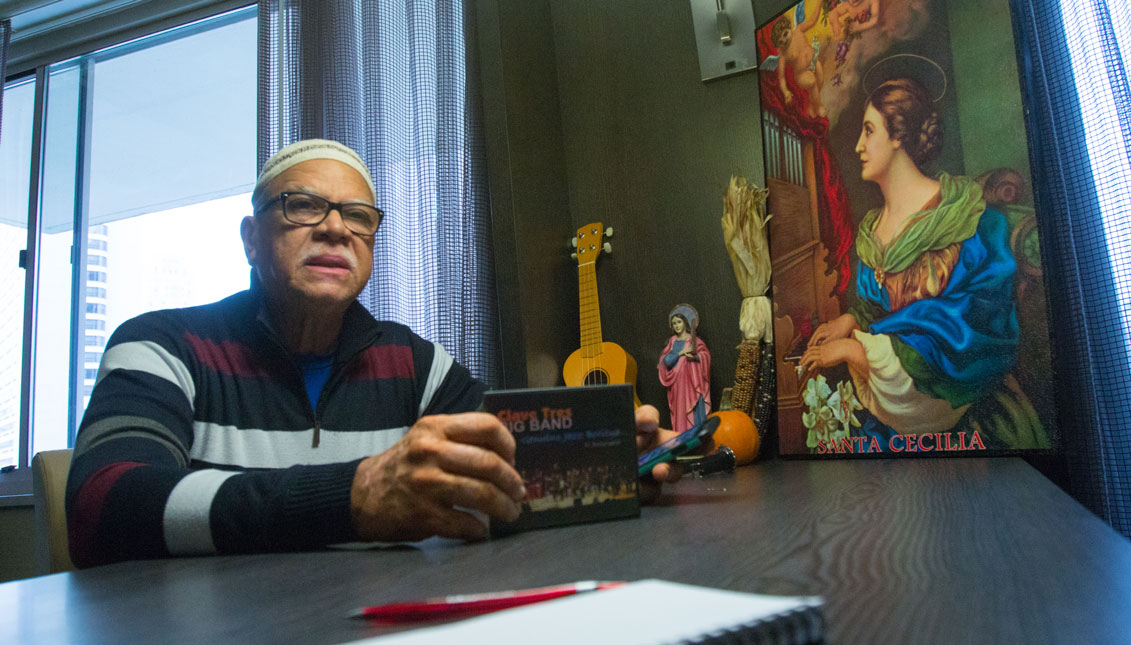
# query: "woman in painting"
{"type": "Point", "coordinates": [932, 335]}
{"type": "Point", "coordinates": [685, 369]}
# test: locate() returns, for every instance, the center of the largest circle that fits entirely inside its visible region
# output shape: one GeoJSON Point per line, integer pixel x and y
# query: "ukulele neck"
{"type": "Point", "coordinates": [589, 309]}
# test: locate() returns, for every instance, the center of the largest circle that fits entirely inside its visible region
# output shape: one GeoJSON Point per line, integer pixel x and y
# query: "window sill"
{"type": "Point", "coordinates": [15, 488]}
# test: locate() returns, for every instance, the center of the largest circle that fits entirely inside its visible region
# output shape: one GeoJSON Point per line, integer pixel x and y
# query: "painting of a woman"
{"type": "Point", "coordinates": [932, 335]}
{"type": "Point", "coordinates": [685, 369]}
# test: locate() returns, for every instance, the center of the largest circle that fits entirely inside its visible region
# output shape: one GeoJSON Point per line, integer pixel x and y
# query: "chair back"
{"type": "Point", "coordinates": [49, 481]}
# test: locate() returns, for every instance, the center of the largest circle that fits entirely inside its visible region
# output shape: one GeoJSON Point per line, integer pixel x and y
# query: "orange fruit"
{"type": "Point", "coordinates": [736, 431]}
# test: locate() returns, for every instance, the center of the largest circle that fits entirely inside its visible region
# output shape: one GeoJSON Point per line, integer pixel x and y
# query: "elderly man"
{"type": "Point", "coordinates": [285, 417]}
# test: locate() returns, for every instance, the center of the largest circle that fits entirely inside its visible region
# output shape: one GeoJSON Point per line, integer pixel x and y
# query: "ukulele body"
{"type": "Point", "coordinates": [611, 365]}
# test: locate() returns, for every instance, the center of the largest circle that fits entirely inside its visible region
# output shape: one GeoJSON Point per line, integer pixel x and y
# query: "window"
{"type": "Point", "coordinates": [15, 169]}
{"type": "Point", "coordinates": [149, 154]}
{"type": "Point", "coordinates": [1106, 131]}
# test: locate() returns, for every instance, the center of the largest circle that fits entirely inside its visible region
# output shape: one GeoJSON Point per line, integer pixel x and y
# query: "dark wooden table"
{"type": "Point", "coordinates": [904, 551]}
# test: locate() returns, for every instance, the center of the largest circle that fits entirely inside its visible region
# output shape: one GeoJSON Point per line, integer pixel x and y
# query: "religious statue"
{"type": "Point", "coordinates": [685, 369]}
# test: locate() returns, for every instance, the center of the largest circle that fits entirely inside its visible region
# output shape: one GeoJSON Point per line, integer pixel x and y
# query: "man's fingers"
{"type": "Point", "coordinates": [461, 525]}
{"type": "Point", "coordinates": [668, 472]}
{"type": "Point", "coordinates": [474, 462]}
{"type": "Point", "coordinates": [476, 495]}
{"type": "Point", "coordinates": [478, 429]}
{"type": "Point", "coordinates": [650, 489]}
{"type": "Point", "coordinates": [647, 427]}
{"type": "Point", "coordinates": [434, 519]}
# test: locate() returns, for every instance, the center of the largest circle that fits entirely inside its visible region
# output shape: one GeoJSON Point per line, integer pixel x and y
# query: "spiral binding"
{"type": "Point", "coordinates": [803, 625]}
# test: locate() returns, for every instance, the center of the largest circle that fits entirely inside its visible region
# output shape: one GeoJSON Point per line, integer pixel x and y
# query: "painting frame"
{"type": "Point", "coordinates": [839, 219]}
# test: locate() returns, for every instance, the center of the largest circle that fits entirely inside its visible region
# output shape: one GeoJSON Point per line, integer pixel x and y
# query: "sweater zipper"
{"type": "Point", "coordinates": [316, 437]}
{"type": "Point", "coordinates": [332, 381]}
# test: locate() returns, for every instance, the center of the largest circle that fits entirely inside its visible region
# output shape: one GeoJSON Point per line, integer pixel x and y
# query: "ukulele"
{"type": "Point", "coordinates": [596, 362]}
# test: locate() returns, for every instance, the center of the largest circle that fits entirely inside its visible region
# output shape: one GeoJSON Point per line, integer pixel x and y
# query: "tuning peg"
{"type": "Point", "coordinates": [573, 242]}
{"type": "Point", "coordinates": [573, 255]}
{"type": "Point", "coordinates": [608, 247]}
{"type": "Point", "coordinates": [609, 232]}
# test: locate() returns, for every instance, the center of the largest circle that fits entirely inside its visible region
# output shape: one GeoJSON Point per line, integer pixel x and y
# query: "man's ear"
{"type": "Point", "coordinates": [249, 232]}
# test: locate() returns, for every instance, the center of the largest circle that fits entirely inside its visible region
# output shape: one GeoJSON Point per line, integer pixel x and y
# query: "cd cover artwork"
{"type": "Point", "coordinates": [575, 449]}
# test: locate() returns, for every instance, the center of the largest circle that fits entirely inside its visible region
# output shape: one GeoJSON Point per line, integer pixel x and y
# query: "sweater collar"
{"type": "Point", "coordinates": [359, 328]}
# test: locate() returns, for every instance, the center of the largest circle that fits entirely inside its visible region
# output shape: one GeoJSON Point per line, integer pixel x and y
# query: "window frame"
{"type": "Point", "coordinates": [16, 484]}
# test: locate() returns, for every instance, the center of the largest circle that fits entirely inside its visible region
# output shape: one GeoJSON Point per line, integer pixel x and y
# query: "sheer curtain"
{"type": "Point", "coordinates": [395, 81]}
{"type": "Point", "coordinates": [1074, 53]}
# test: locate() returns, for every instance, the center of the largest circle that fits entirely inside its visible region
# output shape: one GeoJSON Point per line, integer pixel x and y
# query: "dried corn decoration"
{"type": "Point", "coordinates": [744, 224]}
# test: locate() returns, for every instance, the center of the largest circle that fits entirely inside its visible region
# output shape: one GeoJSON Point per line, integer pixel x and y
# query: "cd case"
{"type": "Point", "coordinates": [575, 448]}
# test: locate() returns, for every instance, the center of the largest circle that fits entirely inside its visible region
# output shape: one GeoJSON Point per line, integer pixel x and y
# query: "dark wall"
{"type": "Point", "coordinates": [529, 200]}
{"type": "Point", "coordinates": [595, 112]}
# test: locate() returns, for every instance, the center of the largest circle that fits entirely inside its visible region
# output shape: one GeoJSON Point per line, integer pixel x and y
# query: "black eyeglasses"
{"type": "Point", "coordinates": [305, 209]}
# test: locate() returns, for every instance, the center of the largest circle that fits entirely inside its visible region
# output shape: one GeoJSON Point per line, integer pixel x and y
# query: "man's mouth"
{"type": "Point", "coordinates": [332, 264]}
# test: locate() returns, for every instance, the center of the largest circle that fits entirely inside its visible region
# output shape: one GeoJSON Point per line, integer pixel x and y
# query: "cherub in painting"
{"type": "Point", "coordinates": [800, 57]}
{"type": "Point", "coordinates": [853, 16]}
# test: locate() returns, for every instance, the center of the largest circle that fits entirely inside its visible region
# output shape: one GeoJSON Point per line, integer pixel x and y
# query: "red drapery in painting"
{"type": "Point", "coordinates": [832, 198]}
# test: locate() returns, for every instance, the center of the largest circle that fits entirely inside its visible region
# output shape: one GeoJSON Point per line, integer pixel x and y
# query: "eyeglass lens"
{"type": "Point", "coordinates": [310, 210]}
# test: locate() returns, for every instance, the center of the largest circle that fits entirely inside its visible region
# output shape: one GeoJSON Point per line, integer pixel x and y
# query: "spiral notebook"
{"type": "Point", "coordinates": [645, 612]}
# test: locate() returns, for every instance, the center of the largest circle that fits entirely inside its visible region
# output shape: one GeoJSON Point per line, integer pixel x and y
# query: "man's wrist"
{"type": "Point", "coordinates": [317, 507]}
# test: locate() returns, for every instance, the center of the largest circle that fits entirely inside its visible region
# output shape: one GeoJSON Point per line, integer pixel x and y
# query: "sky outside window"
{"type": "Point", "coordinates": [15, 157]}
{"type": "Point", "coordinates": [172, 163]}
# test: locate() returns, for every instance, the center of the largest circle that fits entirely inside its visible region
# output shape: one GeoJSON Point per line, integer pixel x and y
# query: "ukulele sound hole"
{"type": "Point", "coordinates": [597, 377]}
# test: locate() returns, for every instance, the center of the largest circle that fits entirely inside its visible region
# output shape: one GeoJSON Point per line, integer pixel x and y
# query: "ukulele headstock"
{"type": "Point", "coordinates": [588, 243]}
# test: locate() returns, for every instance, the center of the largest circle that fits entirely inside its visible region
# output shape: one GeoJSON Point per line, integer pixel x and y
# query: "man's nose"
{"type": "Point", "coordinates": [333, 224]}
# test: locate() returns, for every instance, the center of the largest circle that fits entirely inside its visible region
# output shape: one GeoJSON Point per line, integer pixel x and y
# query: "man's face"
{"type": "Point", "coordinates": [311, 266]}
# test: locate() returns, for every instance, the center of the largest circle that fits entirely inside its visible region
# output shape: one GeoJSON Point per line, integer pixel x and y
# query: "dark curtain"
{"type": "Point", "coordinates": [396, 81]}
{"type": "Point", "coordinates": [1081, 108]}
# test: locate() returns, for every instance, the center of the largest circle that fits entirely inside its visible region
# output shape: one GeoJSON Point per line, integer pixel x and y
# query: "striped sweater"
{"type": "Point", "coordinates": [200, 437]}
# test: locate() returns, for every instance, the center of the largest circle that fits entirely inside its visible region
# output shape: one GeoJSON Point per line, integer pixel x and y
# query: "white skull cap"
{"type": "Point", "coordinates": [307, 150]}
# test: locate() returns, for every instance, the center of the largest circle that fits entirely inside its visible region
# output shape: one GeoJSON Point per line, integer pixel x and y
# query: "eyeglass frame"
{"type": "Point", "coordinates": [330, 205]}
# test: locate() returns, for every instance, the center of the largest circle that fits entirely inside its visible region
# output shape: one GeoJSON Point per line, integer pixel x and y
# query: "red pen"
{"type": "Point", "coordinates": [470, 605]}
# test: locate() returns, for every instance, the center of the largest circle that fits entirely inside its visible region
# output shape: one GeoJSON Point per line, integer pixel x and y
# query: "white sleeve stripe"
{"type": "Point", "coordinates": [147, 356]}
{"type": "Point", "coordinates": [187, 524]}
{"type": "Point", "coordinates": [441, 363]}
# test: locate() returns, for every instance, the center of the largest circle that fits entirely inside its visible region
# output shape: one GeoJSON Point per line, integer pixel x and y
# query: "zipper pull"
{"type": "Point", "coordinates": [317, 433]}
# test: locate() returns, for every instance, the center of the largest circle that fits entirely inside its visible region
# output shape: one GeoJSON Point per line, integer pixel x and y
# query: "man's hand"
{"type": "Point", "coordinates": [648, 436]}
{"type": "Point", "coordinates": [411, 491]}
